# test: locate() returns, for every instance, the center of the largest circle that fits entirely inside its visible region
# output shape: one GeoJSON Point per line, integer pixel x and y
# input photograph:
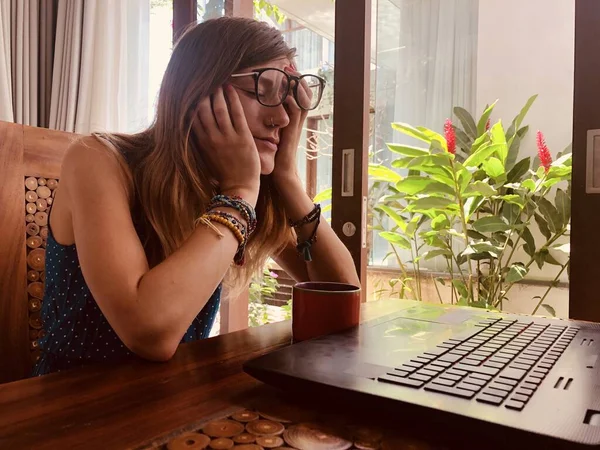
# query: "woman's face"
{"type": "Point", "coordinates": [264, 122]}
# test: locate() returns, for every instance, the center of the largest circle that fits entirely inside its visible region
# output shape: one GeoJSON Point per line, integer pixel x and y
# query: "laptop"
{"type": "Point", "coordinates": [489, 374]}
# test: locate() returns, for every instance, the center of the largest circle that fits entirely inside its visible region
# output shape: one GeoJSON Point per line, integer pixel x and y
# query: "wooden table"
{"type": "Point", "coordinates": [141, 404]}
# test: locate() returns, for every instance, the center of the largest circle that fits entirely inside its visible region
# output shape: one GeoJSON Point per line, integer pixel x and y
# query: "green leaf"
{"type": "Point", "coordinates": [464, 176]}
{"type": "Point", "coordinates": [539, 259]}
{"type": "Point", "coordinates": [413, 185]}
{"type": "Point", "coordinates": [323, 195]}
{"type": "Point", "coordinates": [481, 188]}
{"type": "Point", "coordinates": [461, 288]}
{"type": "Point", "coordinates": [488, 247]}
{"type": "Point", "coordinates": [420, 133]}
{"type": "Point", "coordinates": [490, 224]}
{"type": "Point", "coordinates": [550, 259]}
{"type": "Point", "coordinates": [522, 131]}
{"type": "Point", "coordinates": [516, 273]}
{"type": "Point", "coordinates": [383, 173]}
{"type": "Point", "coordinates": [408, 150]}
{"type": "Point", "coordinates": [513, 151]}
{"type": "Point", "coordinates": [551, 214]}
{"type": "Point", "coordinates": [514, 199]}
{"type": "Point", "coordinates": [476, 235]}
{"type": "Point", "coordinates": [437, 188]}
{"type": "Point", "coordinates": [399, 220]}
{"type": "Point", "coordinates": [550, 309]}
{"type": "Point", "coordinates": [462, 139]}
{"type": "Point", "coordinates": [455, 233]}
{"type": "Point", "coordinates": [402, 163]}
{"type": "Point", "coordinates": [529, 184]}
{"type": "Point", "coordinates": [434, 240]}
{"type": "Point", "coordinates": [481, 154]}
{"type": "Point", "coordinates": [565, 248]}
{"type": "Point", "coordinates": [440, 222]}
{"type": "Point", "coordinates": [529, 245]}
{"type": "Point", "coordinates": [430, 203]}
{"type": "Point", "coordinates": [511, 212]}
{"type": "Point", "coordinates": [435, 138]}
{"type": "Point", "coordinates": [437, 160]}
{"type": "Point", "coordinates": [493, 168]}
{"type": "Point", "coordinates": [564, 160]}
{"type": "Point", "coordinates": [479, 142]}
{"type": "Point", "coordinates": [551, 182]}
{"type": "Point", "coordinates": [484, 118]}
{"type": "Point", "coordinates": [413, 225]}
{"type": "Point", "coordinates": [517, 121]}
{"type": "Point", "coordinates": [563, 172]}
{"type": "Point", "coordinates": [520, 169]}
{"type": "Point", "coordinates": [396, 239]}
{"type": "Point", "coordinates": [471, 205]}
{"type": "Point", "coordinates": [563, 206]}
{"type": "Point", "coordinates": [439, 252]}
{"type": "Point", "coordinates": [543, 226]}
{"type": "Point", "coordinates": [499, 139]}
{"type": "Point", "coordinates": [467, 121]}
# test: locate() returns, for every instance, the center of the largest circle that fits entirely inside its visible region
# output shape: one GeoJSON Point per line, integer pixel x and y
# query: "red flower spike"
{"type": "Point", "coordinates": [487, 125]}
{"type": "Point", "coordinates": [450, 135]}
{"type": "Point", "coordinates": [543, 152]}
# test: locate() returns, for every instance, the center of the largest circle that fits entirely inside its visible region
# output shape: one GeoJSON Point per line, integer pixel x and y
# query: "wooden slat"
{"type": "Point", "coordinates": [351, 123]}
{"type": "Point", "coordinates": [585, 240]}
{"type": "Point", "coordinates": [44, 151]}
{"type": "Point", "coordinates": [312, 125]}
{"type": "Point", "coordinates": [184, 13]}
{"type": "Point", "coordinates": [239, 8]}
{"type": "Point", "coordinates": [14, 341]}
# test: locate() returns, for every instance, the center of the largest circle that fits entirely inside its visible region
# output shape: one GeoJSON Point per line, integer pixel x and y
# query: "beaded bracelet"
{"type": "Point", "coordinates": [304, 247]}
{"type": "Point", "coordinates": [239, 204]}
{"type": "Point", "coordinates": [235, 226]}
{"type": "Point", "coordinates": [315, 214]}
{"type": "Point", "coordinates": [240, 226]}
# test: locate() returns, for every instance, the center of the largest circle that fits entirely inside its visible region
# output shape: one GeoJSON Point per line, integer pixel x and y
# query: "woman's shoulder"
{"type": "Point", "coordinates": [91, 159]}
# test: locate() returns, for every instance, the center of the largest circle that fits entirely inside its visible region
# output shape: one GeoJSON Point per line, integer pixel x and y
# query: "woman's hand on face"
{"type": "Point", "coordinates": [227, 144]}
{"type": "Point", "coordinates": [285, 162]}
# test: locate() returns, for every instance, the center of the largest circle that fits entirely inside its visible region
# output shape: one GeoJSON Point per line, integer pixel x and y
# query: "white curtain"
{"type": "Point", "coordinates": [426, 65]}
{"type": "Point", "coordinates": [19, 54]}
{"type": "Point", "coordinates": [437, 63]}
{"type": "Point", "coordinates": [6, 99]}
{"type": "Point", "coordinates": [100, 79]}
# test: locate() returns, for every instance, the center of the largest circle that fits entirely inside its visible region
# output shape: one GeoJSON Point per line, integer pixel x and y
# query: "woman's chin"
{"type": "Point", "coordinates": [267, 164]}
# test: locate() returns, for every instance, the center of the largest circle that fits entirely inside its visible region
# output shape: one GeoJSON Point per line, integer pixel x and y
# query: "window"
{"type": "Point", "coordinates": [433, 56]}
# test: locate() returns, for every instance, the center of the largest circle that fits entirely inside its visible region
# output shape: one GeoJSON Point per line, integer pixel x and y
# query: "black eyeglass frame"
{"type": "Point", "coordinates": [257, 73]}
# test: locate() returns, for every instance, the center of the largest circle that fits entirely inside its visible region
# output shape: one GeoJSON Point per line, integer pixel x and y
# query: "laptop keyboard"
{"type": "Point", "coordinates": [502, 363]}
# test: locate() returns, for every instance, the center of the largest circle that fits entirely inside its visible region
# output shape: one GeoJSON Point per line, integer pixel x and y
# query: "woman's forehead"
{"type": "Point", "coordinates": [280, 63]}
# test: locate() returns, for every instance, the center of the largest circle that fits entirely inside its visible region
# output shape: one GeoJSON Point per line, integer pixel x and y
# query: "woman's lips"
{"type": "Point", "coordinates": [267, 143]}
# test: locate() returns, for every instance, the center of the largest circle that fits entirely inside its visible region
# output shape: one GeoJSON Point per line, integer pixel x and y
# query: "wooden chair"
{"type": "Point", "coordinates": [30, 160]}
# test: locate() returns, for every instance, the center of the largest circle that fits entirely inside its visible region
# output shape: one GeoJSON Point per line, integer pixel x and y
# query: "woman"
{"type": "Point", "coordinates": [145, 227]}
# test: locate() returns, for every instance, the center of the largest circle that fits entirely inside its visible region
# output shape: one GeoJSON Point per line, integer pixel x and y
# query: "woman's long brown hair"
{"type": "Point", "coordinates": [170, 184]}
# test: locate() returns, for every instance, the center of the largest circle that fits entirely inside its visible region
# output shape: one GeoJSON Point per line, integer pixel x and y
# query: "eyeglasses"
{"type": "Point", "coordinates": [272, 86]}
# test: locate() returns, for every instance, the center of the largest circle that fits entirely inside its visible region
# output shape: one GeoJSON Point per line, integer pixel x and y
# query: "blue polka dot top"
{"type": "Point", "coordinates": [76, 330]}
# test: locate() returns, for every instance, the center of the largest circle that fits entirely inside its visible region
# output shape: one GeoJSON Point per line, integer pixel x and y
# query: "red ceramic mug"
{"type": "Point", "coordinates": [320, 308]}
